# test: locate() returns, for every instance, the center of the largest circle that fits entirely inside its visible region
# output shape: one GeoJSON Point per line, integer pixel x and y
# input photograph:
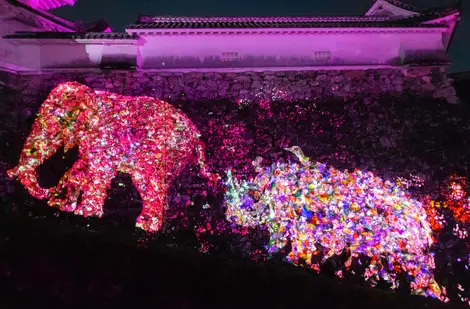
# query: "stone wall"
{"type": "Point", "coordinates": [249, 86]}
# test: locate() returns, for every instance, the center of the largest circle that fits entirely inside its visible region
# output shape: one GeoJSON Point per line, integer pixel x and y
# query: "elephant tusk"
{"type": "Point", "coordinates": [13, 172]}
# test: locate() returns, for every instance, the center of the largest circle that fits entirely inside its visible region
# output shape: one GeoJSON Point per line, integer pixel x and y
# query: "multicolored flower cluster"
{"type": "Point", "coordinates": [454, 198]}
{"type": "Point", "coordinates": [148, 139]}
{"type": "Point", "coordinates": [322, 212]}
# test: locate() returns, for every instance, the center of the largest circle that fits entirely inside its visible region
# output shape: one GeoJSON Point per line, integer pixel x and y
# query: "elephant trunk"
{"type": "Point", "coordinates": [44, 140]}
{"type": "Point", "coordinates": [238, 206]}
{"type": "Point", "coordinates": [55, 122]}
{"type": "Point", "coordinates": [38, 148]}
{"type": "Point", "coordinates": [233, 200]}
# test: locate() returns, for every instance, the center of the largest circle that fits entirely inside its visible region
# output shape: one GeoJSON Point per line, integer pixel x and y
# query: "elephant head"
{"type": "Point", "coordinates": [65, 113]}
{"type": "Point", "coordinates": [245, 203]}
{"type": "Point", "coordinates": [249, 203]}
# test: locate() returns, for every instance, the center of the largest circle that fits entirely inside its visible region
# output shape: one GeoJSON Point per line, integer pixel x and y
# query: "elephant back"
{"type": "Point", "coordinates": [179, 121]}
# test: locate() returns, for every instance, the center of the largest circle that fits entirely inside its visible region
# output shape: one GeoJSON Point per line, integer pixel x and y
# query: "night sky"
{"type": "Point", "coordinates": [123, 12]}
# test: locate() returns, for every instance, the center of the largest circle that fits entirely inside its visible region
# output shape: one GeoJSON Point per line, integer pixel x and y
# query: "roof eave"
{"type": "Point", "coordinates": [44, 41]}
{"type": "Point", "coordinates": [455, 27]}
{"type": "Point", "coordinates": [110, 37]}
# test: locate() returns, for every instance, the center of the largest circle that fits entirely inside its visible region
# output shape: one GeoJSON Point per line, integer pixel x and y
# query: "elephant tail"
{"type": "Point", "coordinates": [201, 160]}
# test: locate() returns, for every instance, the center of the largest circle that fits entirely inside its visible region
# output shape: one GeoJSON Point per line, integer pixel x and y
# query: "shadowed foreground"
{"type": "Point", "coordinates": [50, 264]}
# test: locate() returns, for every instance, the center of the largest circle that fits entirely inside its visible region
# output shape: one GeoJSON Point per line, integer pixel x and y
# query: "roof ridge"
{"type": "Point", "coordinates": [405, 23]}
{"type": "Point", "coordinates": [420, 9]}
{"type": "Point", "coordinates": [251, 16]}
{"type": "Point", "coordinates": [404, 5]}
{"type": "Point", "coordinates": [268, 19]}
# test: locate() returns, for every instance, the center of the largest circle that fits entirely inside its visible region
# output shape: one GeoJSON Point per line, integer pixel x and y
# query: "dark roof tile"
{"type": "Point", "coordinates": [73, 35]}
{"type": "Point", "coordinates": [244, 25]}
{"type": "Point", "coordinates": [96, 26]}
{"type": "Point", "coordinates": [404, 6]}
{"type": "Point", "coordinates": [183, 22]}
{"type": "Point", "coordinates": [248, 19]}
{"type": "Point", "coordinates": [60, 21]}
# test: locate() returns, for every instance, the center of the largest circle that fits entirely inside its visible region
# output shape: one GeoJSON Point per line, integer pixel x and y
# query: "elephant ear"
{"type": "Point", "coordinates": [69, 95]}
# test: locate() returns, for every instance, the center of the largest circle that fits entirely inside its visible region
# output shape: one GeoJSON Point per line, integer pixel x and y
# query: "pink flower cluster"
{"type": "Point", "coordinates": [148, 139]}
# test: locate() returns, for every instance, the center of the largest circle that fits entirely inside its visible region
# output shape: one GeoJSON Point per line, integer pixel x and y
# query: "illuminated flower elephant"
{"type": "Point", "coordinates": [322, 211]}
{"type": "Point", "coordinates": [144, 137]}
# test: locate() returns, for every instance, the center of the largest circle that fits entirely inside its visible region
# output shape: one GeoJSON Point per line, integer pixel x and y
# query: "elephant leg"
{"type": "Point", "coordinates": [71, 185]}
{"type": "Point", "coordinates": [424, 283]}
{"type": "Point", "coordinates": [154, 193]}
{"type": "Point", "coordinates": [94, 192]}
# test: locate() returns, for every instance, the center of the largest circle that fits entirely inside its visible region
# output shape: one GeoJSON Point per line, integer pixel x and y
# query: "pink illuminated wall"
{"type": "Point", "coordinates": [221, 49]}
{"type": "Point", "coordinates": [179, 51]}
{"type": "Point", "coordinates": [9, 55]}
{"type": "Point", "coordinates": [364, 47]}
{"type": "Point", "coordinates": [72, 54]}
{"type": "Point", "coordinates": [25, 55]}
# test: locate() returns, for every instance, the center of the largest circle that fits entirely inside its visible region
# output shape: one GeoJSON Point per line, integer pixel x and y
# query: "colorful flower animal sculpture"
{"type": "Point", "coordinates": [148, 139]}
{"type": "Point", "coordinates": [322, 211]}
